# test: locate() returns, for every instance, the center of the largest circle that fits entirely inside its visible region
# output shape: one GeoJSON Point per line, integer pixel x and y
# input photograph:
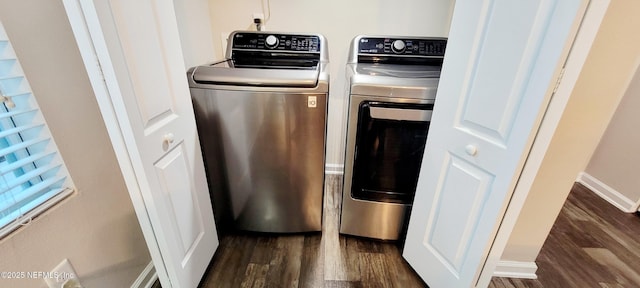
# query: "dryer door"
{"type": "Point", "coordinates": [390, 141]}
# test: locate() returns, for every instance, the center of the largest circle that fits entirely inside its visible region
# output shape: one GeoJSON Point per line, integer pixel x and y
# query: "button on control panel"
{"type": "Point", "coordinates": [280, 42]}
{"type": "Point", "coordinates": [271, 41]}
{"type": "Point", "coordinates": [398, 46]}
{"type": "Point", "coordinates": [405, 46]}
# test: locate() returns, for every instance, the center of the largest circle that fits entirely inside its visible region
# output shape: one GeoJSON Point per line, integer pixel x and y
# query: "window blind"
{"type": "Point", "coordinates": [33, 176]}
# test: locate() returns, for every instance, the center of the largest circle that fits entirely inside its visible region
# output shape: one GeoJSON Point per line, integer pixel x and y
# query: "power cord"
{"type": "Point", "coordinates": [267, 16]}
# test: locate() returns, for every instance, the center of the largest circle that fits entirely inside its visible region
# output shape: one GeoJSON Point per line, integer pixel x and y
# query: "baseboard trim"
{"type": "Point", "coordinates": [147, 277]}
{"type": "Point", "coordinates": [334, 169]}
{"type": "Point", "coordinates": [607, 193]}
{"type": "Point", "coordinates": [516, 269]}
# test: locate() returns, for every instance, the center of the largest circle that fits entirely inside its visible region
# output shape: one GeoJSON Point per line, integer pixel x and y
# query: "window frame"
{"type": "Point", "coordinates": [34, 177]}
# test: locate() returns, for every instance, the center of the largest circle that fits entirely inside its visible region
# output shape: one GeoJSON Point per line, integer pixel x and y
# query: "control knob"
{"type": "Point", "coordinates": [271, 41]}
{"type": "Point", "coordinates": [398, 46]}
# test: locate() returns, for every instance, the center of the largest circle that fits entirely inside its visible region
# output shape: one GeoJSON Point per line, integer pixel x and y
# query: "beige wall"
{"type": "Point", "coordinates": [96, 228]}
{"type": "Point", "coordinates": [602, 82]}
{"type": "Point", "coordinates": [616, 161]}
{"type": "Point", "coordinates": [339, 21]}
{"type": "Point", "coordinates": [194, 26]}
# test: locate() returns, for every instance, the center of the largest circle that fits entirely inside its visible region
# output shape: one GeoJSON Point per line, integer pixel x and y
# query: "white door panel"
{"type": "Point", "coordinates": [138, 49]}
{"type": "Point", "coordinates": [157, 80]}
{"type": "Point", "coordinates": [465, 188]}
{"type": "Point", "coordinates": [151, 77]}
{"type": "Point", "coordinates": [172, 172]}
{"type": "Point", "coordinates": [501, 59]}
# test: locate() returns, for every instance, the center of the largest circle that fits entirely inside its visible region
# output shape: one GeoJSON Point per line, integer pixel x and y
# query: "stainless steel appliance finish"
{"type": "Point", "coordinates": [396, 88]}
{"type": "Point", "coordinates": [261, 118]}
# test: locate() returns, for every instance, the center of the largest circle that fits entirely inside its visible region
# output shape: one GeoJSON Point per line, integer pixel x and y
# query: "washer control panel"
{"type": "Point", "coordinates": [402, 46]}
{"type": "Point", "coordinates": [279, 42]}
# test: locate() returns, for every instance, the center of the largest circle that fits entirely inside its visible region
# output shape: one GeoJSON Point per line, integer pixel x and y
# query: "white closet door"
{"type": "Point", "coordinates": [502, 61]}
{"type": "Point", "coordinates": [137, 47]}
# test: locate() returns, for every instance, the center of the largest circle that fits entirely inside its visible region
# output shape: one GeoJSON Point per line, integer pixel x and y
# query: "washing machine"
{"type": "Point", "coordinates": [392, 91]}
{"type": "Point", "coordinates": [261, 115]}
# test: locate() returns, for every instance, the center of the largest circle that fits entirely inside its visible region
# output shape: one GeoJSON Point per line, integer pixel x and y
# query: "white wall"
{"type": "Point", "coordinates": [95, 228]}
{"type": "Point", "coordinates": [339, 21]}
{"type": "Point", "coordinates": [616, 162]}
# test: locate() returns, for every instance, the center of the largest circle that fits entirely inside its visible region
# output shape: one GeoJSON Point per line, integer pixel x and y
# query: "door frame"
{"type": "Point", "coordinates": [85, 23]}
{"type": "Point", "coordinates": [580, 49]}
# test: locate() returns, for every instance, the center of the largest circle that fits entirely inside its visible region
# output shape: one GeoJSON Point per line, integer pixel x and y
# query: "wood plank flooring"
{"type": "Point", "coordinates": [324, 259]}
{"type": "Point", "coordinates": [592, 244]}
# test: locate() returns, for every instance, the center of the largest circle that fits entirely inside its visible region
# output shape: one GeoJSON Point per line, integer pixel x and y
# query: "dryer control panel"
{"type": "Point", "coordinates": [278, 42]}
{"type": "Point", "coordinates": [429, 47]}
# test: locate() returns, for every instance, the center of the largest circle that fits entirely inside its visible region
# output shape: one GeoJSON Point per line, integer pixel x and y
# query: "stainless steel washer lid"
{"type": "Point", "coordinates": [398, 81]}
{"type": "Point", "coordinates": [267, 61]}
{"type": "Point", "coordinates": [257, 79]}
{"type": "Point", "coordinates": [223, 73]}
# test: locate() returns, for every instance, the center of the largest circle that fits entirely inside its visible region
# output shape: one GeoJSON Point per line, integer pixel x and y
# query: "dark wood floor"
{"type": "Point", "coordinates": [592, 244]}
{"type": "Point", "coordinates": [324, 259]}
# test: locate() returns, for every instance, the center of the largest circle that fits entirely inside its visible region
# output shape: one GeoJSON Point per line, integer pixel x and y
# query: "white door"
{"type": "Point", "coordinates": [138, 48]}
{"type": "Point", "coordinates": [501, 65]}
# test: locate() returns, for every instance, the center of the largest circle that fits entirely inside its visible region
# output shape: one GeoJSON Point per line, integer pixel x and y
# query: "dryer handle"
{"type": "Point", "coordinates": [400, 114]}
